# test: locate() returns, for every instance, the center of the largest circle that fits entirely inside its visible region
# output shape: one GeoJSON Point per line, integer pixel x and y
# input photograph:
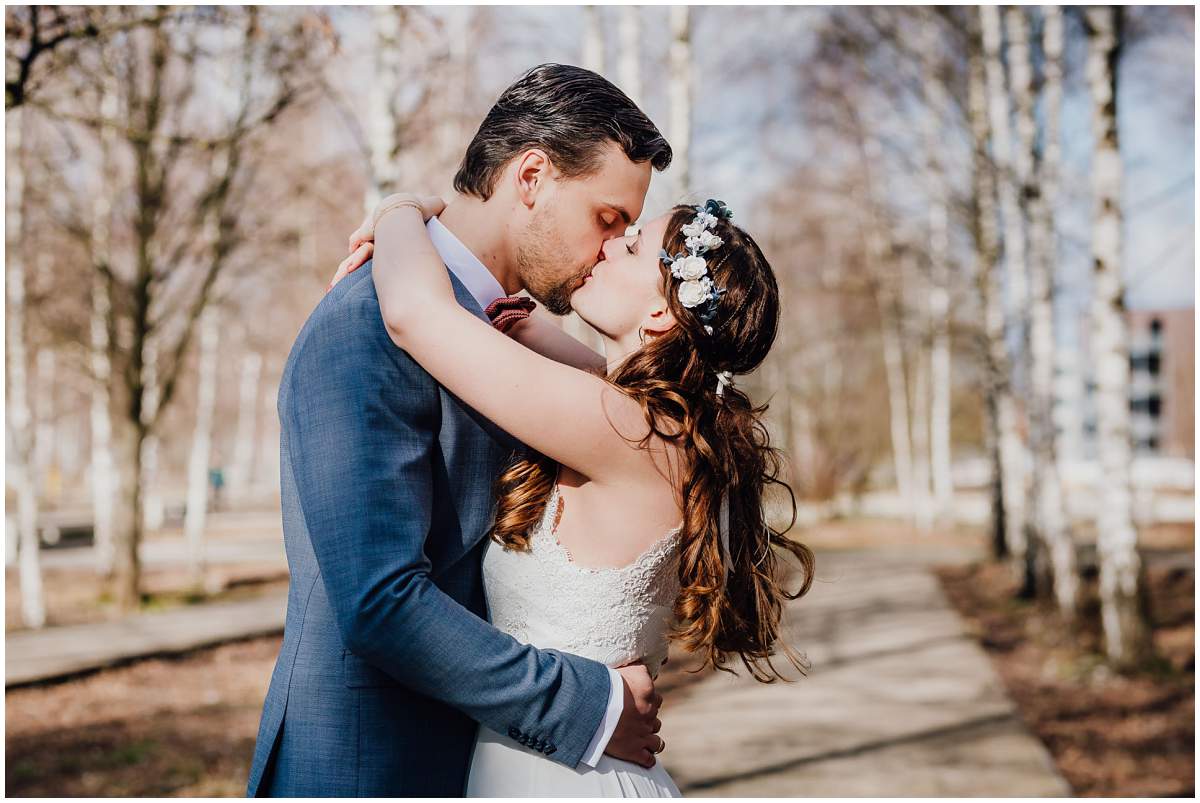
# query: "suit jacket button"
{"type": "Point", "coordinates": [550, 749]}
{"type": "Point", "coordinates": [514, 733]}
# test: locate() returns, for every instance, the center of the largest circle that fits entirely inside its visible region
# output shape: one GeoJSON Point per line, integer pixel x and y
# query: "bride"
{"type": "Point", "coordinates": [637, 516]}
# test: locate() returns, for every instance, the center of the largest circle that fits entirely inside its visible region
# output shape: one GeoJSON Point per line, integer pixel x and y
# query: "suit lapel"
{"type": "Point", "coordinates": [474, 450]}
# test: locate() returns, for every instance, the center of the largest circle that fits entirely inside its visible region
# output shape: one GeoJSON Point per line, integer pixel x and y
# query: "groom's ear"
{"type": "Point", "coordinates": [533, 173]}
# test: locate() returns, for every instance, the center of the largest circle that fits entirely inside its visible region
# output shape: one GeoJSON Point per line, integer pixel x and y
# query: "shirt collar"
{"type": "Point", "coordinates": [465, 266]}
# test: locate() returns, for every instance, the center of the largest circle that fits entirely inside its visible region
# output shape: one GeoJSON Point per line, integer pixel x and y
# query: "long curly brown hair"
{"type": "Point", "coordinates": [725, 449]}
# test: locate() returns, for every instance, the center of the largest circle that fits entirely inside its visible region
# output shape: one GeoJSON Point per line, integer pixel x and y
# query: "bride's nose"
{"type": "Point", "coordinates": [607, 244]}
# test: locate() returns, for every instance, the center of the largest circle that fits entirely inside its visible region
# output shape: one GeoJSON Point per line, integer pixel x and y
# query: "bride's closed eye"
{"type": "Point", "coordinates": [637, 236]}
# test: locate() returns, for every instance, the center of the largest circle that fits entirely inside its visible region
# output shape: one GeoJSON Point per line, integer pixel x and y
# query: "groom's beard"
{"type": "Point", "coordinates": [540, 258]}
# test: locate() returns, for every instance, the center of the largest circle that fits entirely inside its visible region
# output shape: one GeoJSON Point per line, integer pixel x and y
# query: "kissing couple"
{"type": "Point", "coordinates": [493, 532]}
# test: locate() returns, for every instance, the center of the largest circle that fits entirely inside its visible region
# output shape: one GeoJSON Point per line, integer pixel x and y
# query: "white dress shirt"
{"type": "Point", "coordinates": [483, 286]}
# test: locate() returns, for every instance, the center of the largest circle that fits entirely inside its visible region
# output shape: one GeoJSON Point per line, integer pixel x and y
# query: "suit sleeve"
{"type": "Point", "coordinates": [362, 419]}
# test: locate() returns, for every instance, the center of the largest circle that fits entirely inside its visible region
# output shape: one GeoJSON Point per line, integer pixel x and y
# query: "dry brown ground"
{"type": "Point", "coordinates": [1111, 734]}
{"type": "Point", "coordinates": [161, 727]}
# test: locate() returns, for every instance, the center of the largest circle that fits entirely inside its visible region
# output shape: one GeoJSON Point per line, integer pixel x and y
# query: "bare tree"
{"type": "Point", "coordinates": [197, 495]}
{"type": "Point", "coordinates": [629, 61]}
{"type": "Point", "coordinates": [939, 256]}
{"type": "Point", "coordinates": [1125, 631]}
{"type": "Point", "coordinates": [241, 471]}
{"type": "Point", "coordinates": [916, 287]}
{"type": "Point", "coordinates": [383, 120]}
{"type": "Point", "coordinates": [102, 468]}
{"type": "Point", "coordinates": [175, 170]}
{"type": "Point", "coordinates": [679, 90]}
{"type": "Point", "coordinates": [593, 40]}
{"type": "Point", "coordinates": [1013, 453]}
{"type": "Point", "coordinates": [998, 401]}
{"type": "Point", "coordinates": [33, 606]}
{"type": "Point", "coordinates": [41, 40]}
{"type": "Point", "coordinates": [152, 501]}
{"type": "Point", "coordinates": [46, 418]}
{"type": "Point", "coordinates": [1037, 575]}
{"type": "Point", "coordinates": [1050, 517]}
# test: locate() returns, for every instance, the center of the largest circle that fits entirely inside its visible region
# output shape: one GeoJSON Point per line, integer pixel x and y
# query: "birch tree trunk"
{"type": "Point", "coordinates": [1050, 514]}
{"type": "Point", "coordinates": [1125, 631]}
{"type": "Point", "coordinates": [126, 579]}
{"type": "Point", "coordinates": [679, 90]}
{"type": "Point", "coordinates": [939, 290]}
{"type": "Point", "coordinates": [456, 98]}
{"type": "Point", "coordinates": [102, 470]}
{"type": "Point", "coordinates": [152, 504]}
{"type": "Point", "coordinates": [1013, 454]}
{"type": "Point", "coordinates": [44, 430]}
{"type": "Point", "coordinates": [240, 478]}
{"type": "Point", "coordinates": [923, 503]}
{"type": "Point", "coordinates": [197, 499]}
{"type": "Point", "coordinates": [381, 123]}
{"type": "Point", "coordinates": [593, 40]}
{"type": "Point", "coordinates": [267, 459]}
{"type": "Point", "coordinates": [629, 63]}
{"type": "Point", "coordinates": [888, 302]}
{"type": "Point", "coordinates": [29, 571]}
{"type": "Point", "coordinates": [987, 271]}
{"type": "Point", "coordinates": [893, 363]}
{"type": "Point", "coordinates": [1020, 61]}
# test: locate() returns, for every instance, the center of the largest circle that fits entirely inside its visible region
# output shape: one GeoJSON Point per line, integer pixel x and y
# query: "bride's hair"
{"type": "Point", "coordinates": [725, 449]}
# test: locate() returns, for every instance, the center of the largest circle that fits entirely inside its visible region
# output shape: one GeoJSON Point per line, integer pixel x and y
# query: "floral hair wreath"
{"type": "Point", "coordinates": [696, 290]}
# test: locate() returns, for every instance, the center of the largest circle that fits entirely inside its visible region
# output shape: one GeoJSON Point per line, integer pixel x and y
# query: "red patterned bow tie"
{"type": "Point", "coordinates": [506, 311]}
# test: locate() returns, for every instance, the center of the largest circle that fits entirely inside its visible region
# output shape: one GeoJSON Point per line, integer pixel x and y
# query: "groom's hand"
{"type": "Point", "coordinates": [636, 737]}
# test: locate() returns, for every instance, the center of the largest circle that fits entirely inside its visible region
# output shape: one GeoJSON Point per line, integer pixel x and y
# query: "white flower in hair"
{"type": "Point", "coordinates": [696, 288]}
{"type": "Point", "coordinates": [706, 241]}
{"type": "Point", "coordinates": [689, 268]}
{"type": "Point", "coordinates": [694, 292]}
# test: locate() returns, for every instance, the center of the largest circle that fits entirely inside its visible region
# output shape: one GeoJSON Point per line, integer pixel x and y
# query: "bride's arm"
{"type": "Point", "coordinates": [569, 415]}
{"type": "Point", "coordinates": [539, 333]}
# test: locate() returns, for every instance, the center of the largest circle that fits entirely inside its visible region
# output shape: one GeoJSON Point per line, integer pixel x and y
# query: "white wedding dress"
{"type": "Point", "coordinates": [614, 616]}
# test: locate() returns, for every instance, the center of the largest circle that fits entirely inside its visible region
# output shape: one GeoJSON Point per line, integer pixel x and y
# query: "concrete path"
{"type": "Point", "coordinates": [58, 652]}
{"type": "Point", "coordinates": [231, 538]}
{"type": "Point", "coordinates": [899, 702]}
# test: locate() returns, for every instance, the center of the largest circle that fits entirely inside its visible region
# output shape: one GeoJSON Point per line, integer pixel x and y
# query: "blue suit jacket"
{"type": "Point", "coordinates": [388, 661]}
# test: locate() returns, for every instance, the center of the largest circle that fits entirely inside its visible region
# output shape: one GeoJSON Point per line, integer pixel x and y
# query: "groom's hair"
{"type": "Point", "coordinates": [568, 112]}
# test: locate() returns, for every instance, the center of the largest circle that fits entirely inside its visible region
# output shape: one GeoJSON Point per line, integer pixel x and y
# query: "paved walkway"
{"type": "Point", "coordinates": [57, 652]}
{"type": "Point", "coordinates": [899, 702]}
{"type": "Point", "coordinates": [254, 537]}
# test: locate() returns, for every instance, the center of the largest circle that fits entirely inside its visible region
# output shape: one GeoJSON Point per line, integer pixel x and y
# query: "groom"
{"type": "Point", "coordinates": [388, 662]}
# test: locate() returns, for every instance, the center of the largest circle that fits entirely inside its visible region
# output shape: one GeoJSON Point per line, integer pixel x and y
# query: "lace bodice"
{"type": "Point", "coordinates": [611, 615]}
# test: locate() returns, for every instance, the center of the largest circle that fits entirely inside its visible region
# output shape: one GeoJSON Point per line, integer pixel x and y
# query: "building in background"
{"type": "Point", "coordinates": [1162, 359]}
{"type": "Point", "coordinates": [1162, 388]}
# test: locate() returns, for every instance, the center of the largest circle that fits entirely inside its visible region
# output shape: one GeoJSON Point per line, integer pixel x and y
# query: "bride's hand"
{"type": "Point", "coordinates": [362, 240]}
